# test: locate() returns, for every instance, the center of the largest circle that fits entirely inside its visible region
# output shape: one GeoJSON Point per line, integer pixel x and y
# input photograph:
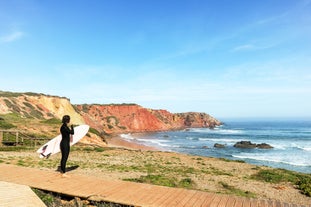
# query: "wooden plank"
{"type": "Point", "coordinates": [199, 199]}
{"type": "Point", "coordinates": [207, 202]}
{"type": "Point", "coordinates": [83, 190]}
{"type": "Point", "coordinates": [157, 194]}
{"type": "Point", "coordinates": [174, 199]}
{"type": "Point", "coordinates": [186, 198]}
{"type": "Point", "coordinates": [151, 194]}
{"type": "Point", "coordinates": [231, 201]}
{"type": "Point", "coordinates": [119, 193]}
{"type": "Point", "coordinates": [12, 195]}
{"type": "Point", "coordinates": [216, 201]}
{"type": "Point", "coordinates": [246, 202]}
{"type": "Point", "coordinates": [134, 196]}
{"type": "Point", "coordinates": [254, 202]}
{"type": "Point", "coordinates": [168, 198]}
{"type": "Point", "coordinates": [238, 202]}
{"type": "Point", "coordinates": [278, 204]}
{"type": "Point", "coordinates": [223, 201]}
{"type": "Point", "coordinates": [262, 203]}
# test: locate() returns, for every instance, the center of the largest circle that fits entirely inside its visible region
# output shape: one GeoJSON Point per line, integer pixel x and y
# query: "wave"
{"type": "Point", "coordinates": [305, 148]}
{"type": "Point", "coordinates": [158, 142]}
{"type": "Point", "coordinates": [127, 136]}
{"type": "Point", "coordinates": [302, 163]}
{"type": "Point", "coordinates": [218, 140]}
{"type": "Point", "coordinates": [218, 131]}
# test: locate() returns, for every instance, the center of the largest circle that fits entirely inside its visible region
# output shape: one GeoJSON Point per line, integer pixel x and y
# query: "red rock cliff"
{"type": "Point", "coordinates": [123, 118]}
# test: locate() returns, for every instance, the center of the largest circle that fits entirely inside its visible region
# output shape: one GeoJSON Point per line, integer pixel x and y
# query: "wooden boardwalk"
{"type": "Point", "coordinates": [123, 192]}
{"type": "Point", "coordinates": [14, 195]}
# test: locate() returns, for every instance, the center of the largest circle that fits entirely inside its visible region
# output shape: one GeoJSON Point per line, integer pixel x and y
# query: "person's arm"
{"type": "Point", "coordinates": [71, 133]}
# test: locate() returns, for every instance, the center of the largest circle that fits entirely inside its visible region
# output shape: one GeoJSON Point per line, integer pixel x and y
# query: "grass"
{"type": "Point", "coordinates": [232, 190]}
{"type": "Point", "coordinates": [5, 125]}
{"type": "Point", "coordinates": [303, 181]}
{"type": "Point", "coordinates": [16, 149]}
{"type": "Point", "coordinates": [159, 179]}
{"type": "Point", "coordinates": [52, 121]}
{"type": "Point", "coordinates": [54, 199]}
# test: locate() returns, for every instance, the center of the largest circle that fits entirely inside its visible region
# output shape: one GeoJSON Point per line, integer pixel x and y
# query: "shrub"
{"type": "Point", "coordinates": [5, 125]}
{"type": "Point", "coordinates": [303, 181]}
{"type": "Point", "coordinates": [52, 121]}
{"type": "Point", "coordinates": [304, 184]}
{"type": "Point", "coordinates": [155, 180]}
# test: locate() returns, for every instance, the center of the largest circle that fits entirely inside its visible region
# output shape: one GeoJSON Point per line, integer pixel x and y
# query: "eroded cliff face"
{"type": "Point", "coordinates": [38, 106]}
{"type": "Point", "coordinates": [116, 118]}
{"type": "Point", "coordinates": [107, 119]}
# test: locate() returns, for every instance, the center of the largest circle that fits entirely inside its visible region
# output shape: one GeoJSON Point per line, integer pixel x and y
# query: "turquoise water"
{"type": "Point", "coordinates": [291, 141]}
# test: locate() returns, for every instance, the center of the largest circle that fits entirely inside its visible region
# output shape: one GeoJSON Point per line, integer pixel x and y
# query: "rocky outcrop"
{"type": "Point", "coordinates": [250, 145]}
{"type": "Point", "coordinates": [264, 146]}
{"type": "Point", "coordinates": [123, 118]}
{"type": "Point", "coordinates": [245, 144]}
{"type": "Point", "coordinates": [217, 145]}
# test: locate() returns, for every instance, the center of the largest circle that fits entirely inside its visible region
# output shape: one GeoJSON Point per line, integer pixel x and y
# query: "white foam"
{"type": "Point", "coordinates": [218, 140]}
{"type": "Point", "coordinates": [296, 162]}
{"type": "Point", "coordinates": [218, 131]}
{"type": "Point", "coordinates": [159, 142]}
{"type": "Point", "coordinates": [127, 136]}
{"type": "Point", "coordinates": [305, 148]}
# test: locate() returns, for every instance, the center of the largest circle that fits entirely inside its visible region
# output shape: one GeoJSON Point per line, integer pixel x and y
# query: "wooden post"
{"type": "Point", "coordinates": [1, 138]}
{"type": "Point", "coordinates": [16, 137]}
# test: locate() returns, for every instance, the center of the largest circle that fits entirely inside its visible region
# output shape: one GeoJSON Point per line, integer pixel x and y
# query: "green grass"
{"type": "Point", "coordinates": [158, 179]}
{"type": "Point", "coordinates": [5, 125]}
{"type": "Point", "coordinates": [227, 160]}
{"type": "Point", "coordinates": [52, 121]}
{"type": "Point", "coordinates": [303, 181]}
{"type": "Point", "coordinates": [155, 180]}
{"type": "Point", "coordinates": [16, 148]}
{"type": "Point", "coordinates": [232, 190]}
{"type": "Point", "coordinates": [276, 176]}
{"type": "Point", "coordinates": [54, 199]}
{"type": "Point", "coordinates": [94, 131]}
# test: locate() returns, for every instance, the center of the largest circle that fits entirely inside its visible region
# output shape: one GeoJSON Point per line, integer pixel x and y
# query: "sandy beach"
{"type": "Point", "coordinates": [122, 160]}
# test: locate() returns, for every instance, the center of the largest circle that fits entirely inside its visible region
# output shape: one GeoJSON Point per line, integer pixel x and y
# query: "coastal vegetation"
{"type": "Point", "coordinates": [303, 181]}
{"type": "Point", "coordinates": [51, 199]}
{"type": "Point", "coordinates": [173, 170]}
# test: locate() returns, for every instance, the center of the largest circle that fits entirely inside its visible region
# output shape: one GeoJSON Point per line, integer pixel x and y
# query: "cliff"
{"type": "Point", "coordinates": [121, 118]}
{"type": "Point", "coordinates": [31, 109]}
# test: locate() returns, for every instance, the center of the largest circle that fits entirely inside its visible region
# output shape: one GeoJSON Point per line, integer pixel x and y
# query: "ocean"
{"type": "Point", "coordinates": [290, 139]}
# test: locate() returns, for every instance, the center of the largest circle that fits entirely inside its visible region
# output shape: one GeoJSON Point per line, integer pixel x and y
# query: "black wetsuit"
{"type": "Point", "coordinates": [65, 145]}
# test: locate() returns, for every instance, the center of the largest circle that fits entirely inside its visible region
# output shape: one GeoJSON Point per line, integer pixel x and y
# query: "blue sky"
{"type": "Point", "coordinates": [227, 58]}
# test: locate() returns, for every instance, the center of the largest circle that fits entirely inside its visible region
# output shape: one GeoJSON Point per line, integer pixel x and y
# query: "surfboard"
{"type": "Point", "coordinates": [52, 146]}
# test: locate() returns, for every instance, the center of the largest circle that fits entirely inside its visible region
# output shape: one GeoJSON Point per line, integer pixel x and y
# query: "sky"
{"type": "Point", "coordinates": [226, 58]}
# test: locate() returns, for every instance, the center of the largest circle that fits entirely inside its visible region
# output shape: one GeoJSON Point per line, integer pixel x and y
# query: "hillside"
{"type": "Point", "coordinates": [40, 114]}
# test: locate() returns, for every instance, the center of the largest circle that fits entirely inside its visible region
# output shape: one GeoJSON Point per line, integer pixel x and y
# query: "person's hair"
{"type": "Point", "coordinates": [66, 119]}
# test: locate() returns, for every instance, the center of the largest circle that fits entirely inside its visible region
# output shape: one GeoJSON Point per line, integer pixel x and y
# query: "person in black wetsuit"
{"type": "Point", "coordinates": [65, 143]}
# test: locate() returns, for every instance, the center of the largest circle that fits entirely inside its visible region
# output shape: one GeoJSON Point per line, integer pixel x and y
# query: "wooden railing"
{"type": "Point", "coordinates": [16, 137]}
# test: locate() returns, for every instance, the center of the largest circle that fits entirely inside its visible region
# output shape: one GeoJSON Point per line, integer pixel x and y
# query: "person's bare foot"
{"type": "Point", "coordinates": [64, 175]}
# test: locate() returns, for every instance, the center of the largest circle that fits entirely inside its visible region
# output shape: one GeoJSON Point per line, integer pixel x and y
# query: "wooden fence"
{"type": "Point", "coordinates": [15, 137]}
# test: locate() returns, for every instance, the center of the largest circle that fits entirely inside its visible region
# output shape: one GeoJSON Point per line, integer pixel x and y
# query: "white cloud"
{"type": "Point", "coordinates": [243, 47]}
{"type": "Point", "coordinates": [251, 47]}
{"type": "Point", "coordinates": [11, 37]}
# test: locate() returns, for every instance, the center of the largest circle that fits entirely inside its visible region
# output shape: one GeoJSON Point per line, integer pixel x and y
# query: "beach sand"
{"type": "Point", "coordinates": [125, 160]}
{"type": "Point", "coordinates": [118, 142]}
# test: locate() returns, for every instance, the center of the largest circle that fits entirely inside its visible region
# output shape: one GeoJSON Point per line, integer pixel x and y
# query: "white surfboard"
{"type": "Point", "coordinates": [52, 146]}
